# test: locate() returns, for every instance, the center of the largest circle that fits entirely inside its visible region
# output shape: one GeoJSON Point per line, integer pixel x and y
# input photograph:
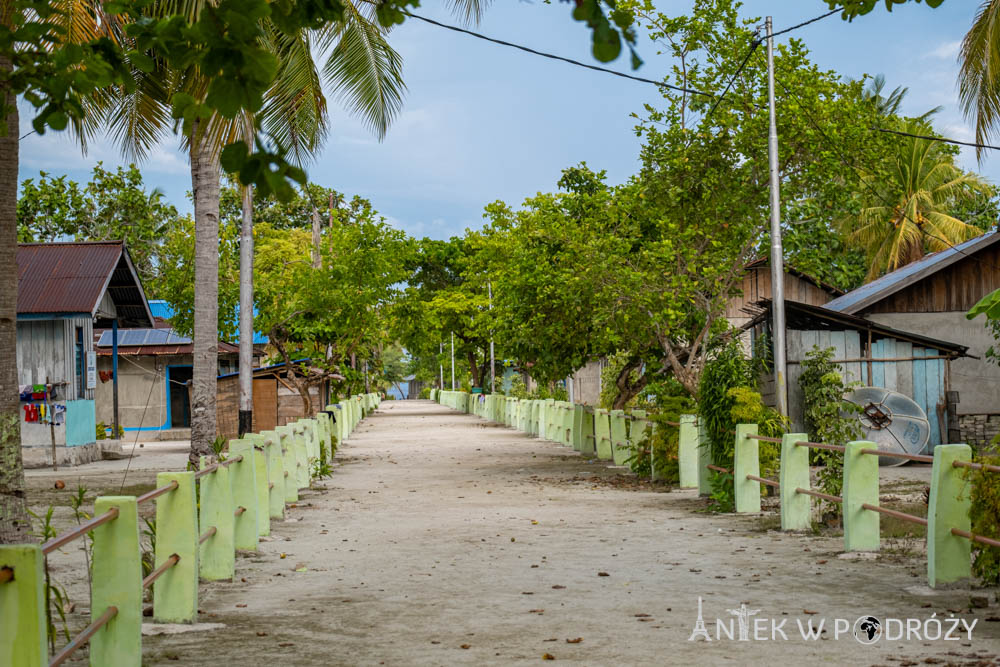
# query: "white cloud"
{"type": "Point", "coordinates": [946, 50]}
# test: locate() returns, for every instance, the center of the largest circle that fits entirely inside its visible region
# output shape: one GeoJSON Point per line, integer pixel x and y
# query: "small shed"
{"type": "Point", "coordinates": [64, 291]}
{"type": "Point", "coordinates": [275, 400]}
{"type": "Point", "coordinates": [756, 286]}
{"type": "Point", "coordinates": [931, 297]}
{"type": "Point", "coordinates": [868, 352]}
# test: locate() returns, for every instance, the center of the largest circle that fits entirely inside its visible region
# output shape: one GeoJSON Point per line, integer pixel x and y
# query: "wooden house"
{"type": "Point", "coordinates": [930, 297]}
{"type": "Point", "coordinates": [65, 290]}
{"type": "Point", "coordinates": [756, 287]}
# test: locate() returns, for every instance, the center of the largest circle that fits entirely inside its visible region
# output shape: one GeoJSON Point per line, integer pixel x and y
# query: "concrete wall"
{"type": "Point", "coordinates": [977, 381]}
{"type": "Point", "coordinates": [587, 383]}
{"type": "Point", "coordinates": [136, 374]}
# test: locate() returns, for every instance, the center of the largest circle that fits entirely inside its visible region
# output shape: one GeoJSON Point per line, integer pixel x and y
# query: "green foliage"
{"type": "Point", "coordinates": [853, 8]}
{"type": "Point", "coordinates": [102, 431]}
{"type": "Point", "coordinates": [985, 515]}
{"type": "Point", "coordinates": [147, 548]}
{"type": "Point", "coordinates": [748, 408]}
{"type": "Point", "coordinates": [829, 417]}
{"type": "Point", "coordinates": [112, 206]}
{"type": "Point", "coordinates": [989, 306]}
{"type": "Point", "coordinates": [321, 468]}
{"type": "Point", "coordinates": [55, 595]}
{"type": "Point", "coordinates": [426, 393]}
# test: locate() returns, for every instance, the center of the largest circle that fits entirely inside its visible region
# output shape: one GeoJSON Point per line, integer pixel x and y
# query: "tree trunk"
{"type": "Point", "coordinates": [205, 184]}
{"type": "Point", "coordinates": [627, 389]}
{"type": "Point", "coordinates": [317, 257]}
{"type": "Point", "coordinates": [246, 314]}
{"type": "Point", "coordinates": [14, 522]}
{"type": "Point", "coordinates": [474, 368]}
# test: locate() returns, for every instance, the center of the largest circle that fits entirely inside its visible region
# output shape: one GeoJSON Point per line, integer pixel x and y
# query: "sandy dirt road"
{"type": "Point", "coordinates": [443, 540]}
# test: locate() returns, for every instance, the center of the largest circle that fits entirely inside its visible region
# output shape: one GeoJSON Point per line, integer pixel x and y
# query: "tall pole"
{"type": "Point", "coordinates": [114, 376]}
{"type": "Point", "coordinates": [246, 315]}
{"type": "Point", "coordinates": [777, 256]}
{"type": "Point", "coordinates": [453, 361]}
{"type": "Point", "coordinates": [440, 365]}
{"type": "Point", "coordinates": [493, 363]}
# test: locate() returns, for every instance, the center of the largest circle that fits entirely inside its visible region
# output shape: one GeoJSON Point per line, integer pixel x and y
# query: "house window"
{"type": "Point", "coordinates": [81, 369]}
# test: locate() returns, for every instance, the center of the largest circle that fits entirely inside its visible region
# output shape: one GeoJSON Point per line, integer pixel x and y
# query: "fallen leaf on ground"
{"type": "Point", "coordinates": [642, 615]}
{"type": "Point", "coordinates": [548, 656]}
{"type": "Point", "coordinates": [558, 587]}
{"type": "Point", "coordinates": [261, 634]}
{"type": "Point", "coordinates": [284, 644]}
{"type": "Point", "coordinates": [806, 611]}
{"type": "Point", "coordinates": [526, 593]}
{"type": "Point", "coordinates": [465, 646]}
{"type": "Point", "coordinates": [574, 641]}
{"type": "Point", "coordinates": [241, 605]}
{"type": "Point", "coordinates": [603, 574]}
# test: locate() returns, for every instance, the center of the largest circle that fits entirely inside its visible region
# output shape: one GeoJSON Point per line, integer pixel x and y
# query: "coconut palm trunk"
{"type": "Point", "coordinates": [14, 524]}
{"type": "Point", "coordinates": [205, 184]}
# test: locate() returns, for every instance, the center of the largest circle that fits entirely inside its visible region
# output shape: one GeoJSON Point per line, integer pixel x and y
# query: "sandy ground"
{"type": "Point", "coordinates": [444, 540]}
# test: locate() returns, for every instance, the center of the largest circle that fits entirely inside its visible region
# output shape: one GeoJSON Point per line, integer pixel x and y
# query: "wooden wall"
{"type": "Point", "coordinates": [955, 288]}
{"type": "Point", "coordinates": [273, 405]}
{"type": "Point", "coordinates": [756, 285]}
{"type": "Point", "coordinates": [47, 349]}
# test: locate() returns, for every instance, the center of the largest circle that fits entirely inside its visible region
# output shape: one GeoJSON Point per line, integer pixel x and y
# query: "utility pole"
{"type": "Point", "coordinates": [453, 361]}
{"type": "Point", "coordinates": [246, 315]}
{"type": "Point", "coordinates": [440, 365]}
{"type": "Point", "coordinates": [777, 256]}
{"type": "Point", "coordinates": [493, 363]}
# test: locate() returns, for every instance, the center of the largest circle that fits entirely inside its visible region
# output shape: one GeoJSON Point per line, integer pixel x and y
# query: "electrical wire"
{"type": "Point", "coordinates": [753, 47]}
{"type": "Point", "coordinates": [805, 23]}
{"type": "Point", "coordinates": [931, 138]}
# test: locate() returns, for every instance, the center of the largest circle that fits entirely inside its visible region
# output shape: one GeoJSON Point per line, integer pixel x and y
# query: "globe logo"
{"type": "Point", "coordinates": [867, 630]}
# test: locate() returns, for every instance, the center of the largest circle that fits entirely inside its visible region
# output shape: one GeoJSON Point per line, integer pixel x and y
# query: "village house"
{"type": "Point", "coordinates": [931, 297]}
{"type": "Point", "coordinates": [65, 290]}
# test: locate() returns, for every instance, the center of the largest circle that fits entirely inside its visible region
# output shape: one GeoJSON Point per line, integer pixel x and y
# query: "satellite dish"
{"type": "Point", "coordinates": [892, 421]}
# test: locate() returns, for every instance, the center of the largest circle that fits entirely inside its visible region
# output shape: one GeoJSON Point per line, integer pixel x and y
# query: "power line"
{"type": "Point", "coordinates": [753, 47]}
{"type": "Point", "coordinates": [606, 70]}
{"type": "Point", "coordinates": [930, 138]}
{"type": "Point", "coordinates": [557, 57]}
{"type": "Point", "coordinates": [805, 23]}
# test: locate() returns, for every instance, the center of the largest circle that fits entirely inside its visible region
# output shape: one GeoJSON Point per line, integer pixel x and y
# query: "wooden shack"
{"type": "Point", "coordinates": [869, 353]}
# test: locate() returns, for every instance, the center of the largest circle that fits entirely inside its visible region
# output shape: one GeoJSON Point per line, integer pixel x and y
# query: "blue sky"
{"type": "Point", "coordinates": [484, 122]}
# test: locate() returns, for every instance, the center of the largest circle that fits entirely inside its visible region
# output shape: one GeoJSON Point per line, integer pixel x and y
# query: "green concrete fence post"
{"type": "Point", "coordinates": [687, 451]}
{"type": "Point", "coordinates": [948, 556]}
{"type": "Point", "coordinates": [289, 463]}
{"type": "Point", "coordinates": [746, 461]}
{"type": "Point", "coordinates": [796, 508]}
{"type": "Point", "coordinates": [602, 434]}
{"type": "Point", "coordinates": [619, 438]}
{"type": "Point", "coordinates": [567, 424]}
{"type": "Point", "coordinates": [577, 434]}
{"type": "Point", "coordinates": [704, 460]}
{"type": "Point", "coordinates": [303, 475]}
{"type": "Point", "coordinates": [550, 412]}
{"type": "Point", "coordinates": [263, 477]}
{"type": "Point", "coordinates": [244, 478]}
{"type": "Point", "coordinates": [543, 419]}
{"type": "Point", "coordinates": [175, 593]}
{"type": "Point", "coordinates": [22, 606]}
{"type": "Point", "coordinates": [217, 553]}
{"type": "Point", "coordinates": [116, 581]}
{"type": "Point", "coordinates": [861, 526]}
{"type": "Point", "coordinates": [588, 443]}
{"type": "Point", "coordinates": [275, 474]}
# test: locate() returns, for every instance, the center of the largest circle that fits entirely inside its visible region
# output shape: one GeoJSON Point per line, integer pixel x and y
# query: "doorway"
{"type": "Point", "coordinates": [178, 397]}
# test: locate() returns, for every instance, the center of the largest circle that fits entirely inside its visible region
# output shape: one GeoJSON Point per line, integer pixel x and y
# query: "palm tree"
{"type": "Point", "coordinates": [905, 209]}
{"type": "Point", "coordinates": [362, 69]}
{"type": "Point", "coordinates": [979, 72]}
{"type": "Point", "coordinates": [887, 105]}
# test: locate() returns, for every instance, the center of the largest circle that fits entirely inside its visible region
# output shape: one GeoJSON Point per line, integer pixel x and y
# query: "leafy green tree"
{"type": "Point", "coordinates": [906, 209]}
{"type": "Point", "coordinates": [854, 8]}
{"type": "Point", "coordinates": [113, 205]}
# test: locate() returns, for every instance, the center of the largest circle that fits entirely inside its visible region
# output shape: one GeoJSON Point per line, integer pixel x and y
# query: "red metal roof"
{"type": "Point", "coordinates": [64, 277]}
{"type": "Point", "coordinates": [71, 278]}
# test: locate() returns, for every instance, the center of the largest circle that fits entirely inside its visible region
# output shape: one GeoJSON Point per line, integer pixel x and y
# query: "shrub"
{"type": "Point", "coordinates": [425, 392]}
{"type": "Point", "coordinates": [985, 515]}
{"type": "Point", "coordinates": [829, 417]}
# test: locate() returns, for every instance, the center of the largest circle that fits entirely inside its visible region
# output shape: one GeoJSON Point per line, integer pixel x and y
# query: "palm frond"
{"type": "Point", "coordinates": [979, 72]}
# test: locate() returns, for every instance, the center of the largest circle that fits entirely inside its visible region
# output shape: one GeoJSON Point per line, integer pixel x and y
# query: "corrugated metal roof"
{"type": "Point", "coordinates": [866, 295]}
{"type": "Point", "coordinates": [72, 278]}
{"type": "Point", "coordinates": [64, 277]}
{"type": "Point", "coordinates": [134, 337]}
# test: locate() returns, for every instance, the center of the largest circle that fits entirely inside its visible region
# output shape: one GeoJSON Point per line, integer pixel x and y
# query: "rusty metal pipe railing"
{"type": "Point", "coordinates": [902, 516]}
{"type": "Point", "coordinates": [975, 466]}
{"type": "Point", "coordinates": [6, 574]}
{"type": "Point", "coordinates": [84, 637]}
{"type": "Point", "coordinates": [206, 471]}
{"type": "Point", "coordinates": [207, 534]}
{"type": "Point", "coordinates": [899, 455]}
{"type": "Point", "coordinates": [769, 482]}
{"type": "Point", "coordinates": [79, 531]}
{"type": "Point", "coordinates": [764, 438]}
{"type": "Point", "coordinates": [156, 493]}
{"type": "Point", "coordinates": [819, 494]}
{"type": "Point", "coordinates": [718, 469]}
{"type": "Point", "coordinates": [239, 510]}
{"type": "Point", "coordinates": [229, 462]}
{"type": "Point", "coordinates": [820, 445]}
{"type": "Point", "coordinates": [976, 538]}
{"type": "Point", "coordinates": [158, 572]}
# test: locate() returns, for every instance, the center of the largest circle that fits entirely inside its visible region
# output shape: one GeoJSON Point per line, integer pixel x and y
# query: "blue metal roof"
{"type": "Point", "coordinates": [857, 300]}
{"type": "Point", "coordinates": [160, 308]}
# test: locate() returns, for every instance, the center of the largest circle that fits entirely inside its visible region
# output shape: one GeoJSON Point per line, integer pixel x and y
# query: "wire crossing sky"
{"type": "Point", "coordinates": [483, 122]}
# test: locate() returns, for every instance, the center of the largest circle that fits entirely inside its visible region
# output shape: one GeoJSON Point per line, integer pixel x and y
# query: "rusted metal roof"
{"type": "Point", "coordinates": [72, 278]}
